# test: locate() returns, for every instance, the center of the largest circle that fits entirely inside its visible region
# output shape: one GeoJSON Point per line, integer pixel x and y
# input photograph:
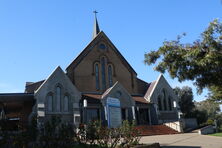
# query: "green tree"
{"type": "Point", "coordinates": [186, 103]}
{"type": "Point", "coordinates": [200, 61]}
{"type": "Point", "coordinates": [212, 109]}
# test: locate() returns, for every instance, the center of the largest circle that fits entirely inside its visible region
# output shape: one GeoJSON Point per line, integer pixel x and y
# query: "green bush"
{"type": "Point", "coordinates": [130, 135]}
{"type": "Point", "coordinates": [54, 133]}
{"type": "Point", "coordinates": [210, 122]}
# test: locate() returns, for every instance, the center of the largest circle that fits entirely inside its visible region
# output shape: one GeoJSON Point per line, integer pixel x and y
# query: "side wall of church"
{"type": "Point", "coordinates": [163, 96]}
{"type": "Point", "coordinates": [57, 97]}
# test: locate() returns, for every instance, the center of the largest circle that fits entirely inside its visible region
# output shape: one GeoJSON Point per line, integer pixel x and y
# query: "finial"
{"type": "Point", "coordinates": [96, 26]}
{"type": "Point", "coordinates": [95, 12]}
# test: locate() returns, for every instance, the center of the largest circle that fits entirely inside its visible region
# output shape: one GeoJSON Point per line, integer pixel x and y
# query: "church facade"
{"type": "Point", "coordinates": [98, 75]}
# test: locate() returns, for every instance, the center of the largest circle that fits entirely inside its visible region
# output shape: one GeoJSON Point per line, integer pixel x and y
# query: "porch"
{"type": "Point", "coordinates": [93, 109]}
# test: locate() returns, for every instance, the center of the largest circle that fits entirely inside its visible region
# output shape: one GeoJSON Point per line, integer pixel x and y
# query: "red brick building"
{"type": "Point", "coordinates": [99, 73]}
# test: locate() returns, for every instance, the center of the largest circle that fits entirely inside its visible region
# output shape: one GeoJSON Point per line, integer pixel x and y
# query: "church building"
{"type": "Point", "coordinates": [99, 84]}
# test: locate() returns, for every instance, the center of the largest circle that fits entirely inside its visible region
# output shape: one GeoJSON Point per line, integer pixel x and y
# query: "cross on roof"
{"type": "Point", "coordinates": [95, 12]}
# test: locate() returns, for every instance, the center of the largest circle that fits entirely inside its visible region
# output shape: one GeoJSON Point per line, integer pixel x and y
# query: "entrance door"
{"type": "Point", "coordinates": [92, 114]}
{"type": "Point", "coordinates": [143, 116]}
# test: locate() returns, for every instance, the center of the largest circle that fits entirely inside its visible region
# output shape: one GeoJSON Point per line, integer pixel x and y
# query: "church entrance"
{"type": "Point", "coordinates": [142, 116]}
{"type": "Point", "coordinates": [92, 114]}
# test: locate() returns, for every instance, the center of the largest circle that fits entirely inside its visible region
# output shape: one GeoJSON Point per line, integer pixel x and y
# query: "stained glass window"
{"type": "Point", "coordinates": [170, 103]}
{"type": "Point", "coordinates": [49, 103]}
{"type": "Point", "coordinates": [103, 71]}
{"type": "Point", "coordinates": [58, 98]}
{"type": "Point", "coordinates": [159, 103]}
{"type": "Point", "coordinates": [97, 75]}
{"type": "Point", "coordinates": [66, 104]}
{"type": "Point", "coordinates": [110, 75]}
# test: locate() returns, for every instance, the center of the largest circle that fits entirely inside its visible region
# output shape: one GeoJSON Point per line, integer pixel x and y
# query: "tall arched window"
{"type": "Point", "coordinates": [103, 71]}
{"type": "Point", "coordinates": [165, 104]}
{"type": "Point", "coordinates": [58, 98]}
{"type": "Point", "coordinates": [159, 103]}
{"type": "Point", "coordinates": [170, 103]}
{"type": "Point", "coordinates": [110, 75]}
{"type": "Point", "coordinates": [164, 100]}
{"type": "Point", "coordinates": [97, 75]}
{"type": "Point", "coordinates": [66, 103]}
{"type": "Point", "coordinates": [49, 103]}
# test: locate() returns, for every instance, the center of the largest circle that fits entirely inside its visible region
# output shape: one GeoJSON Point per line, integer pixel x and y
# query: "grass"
{"type": "Point", "coordinates": [217, 134]}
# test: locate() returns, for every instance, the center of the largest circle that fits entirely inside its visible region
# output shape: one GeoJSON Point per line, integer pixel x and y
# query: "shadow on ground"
{"type": "Point", "coordinates": [180, 147]}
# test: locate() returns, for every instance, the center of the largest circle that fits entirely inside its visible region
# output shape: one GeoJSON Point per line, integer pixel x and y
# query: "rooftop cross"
{"type": "Point", "coordinates": [95, 12]}
{"type": "Point", "coordinates": [96, 26]}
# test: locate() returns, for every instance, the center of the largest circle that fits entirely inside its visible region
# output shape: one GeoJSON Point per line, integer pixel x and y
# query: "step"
{"type": "Point", "coordinates": [148, 130]}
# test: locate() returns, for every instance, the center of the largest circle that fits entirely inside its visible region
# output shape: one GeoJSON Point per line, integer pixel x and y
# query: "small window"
{"type": "Point", "coordinates": [66, 104]}
{"type": "Point", "coordinates": [118, 94]}
{"type": "Point", "coordinates": [102, 46]}
{"type": "Point", "coordinates": [49, 103]}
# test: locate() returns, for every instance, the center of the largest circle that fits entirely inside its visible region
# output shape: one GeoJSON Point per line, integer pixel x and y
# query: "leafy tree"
{"type": "Point", "coordinates": [200, 61]}
{"type": "Point", "coordinates": [207, 112]}
{"type": "Point", "coordinates": [186, 103]}
{"type": "Point", "coordinates": [212, 109]}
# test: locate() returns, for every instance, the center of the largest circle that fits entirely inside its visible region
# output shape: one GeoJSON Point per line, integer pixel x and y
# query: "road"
{"type": "Point", "coordinates": [186, 140]}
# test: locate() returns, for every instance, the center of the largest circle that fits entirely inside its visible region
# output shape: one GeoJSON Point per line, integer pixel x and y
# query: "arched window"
{"type": "Point", "coordinates": [170, 103]}
{"type": "Point", "coordinates": [110, 75]}
{"type": "Point", "coordinates": [66, 103]}
{"type": "Point", "coordinates": [165, 104]}
{"type": "Point", "coordinates": [58, 98]}
{"type": "Point", "coordinates": [103, 71]}
{"type": "Point", "coordinates": [159, 103]}
{"type": "Point", "coordinates": [97, 75]}
{"type": "Point", "coordinates": [49, 103]}
{"type": "Point", "coordinates": [164, 100]}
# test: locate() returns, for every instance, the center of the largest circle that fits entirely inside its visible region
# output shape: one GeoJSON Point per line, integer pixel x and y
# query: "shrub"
{"type": "Point", "coordinates": [130, 135]}
{"type": "Point", "coordinates": [54, 133]}
{"type": "Point", "coordinates": [210, 122]}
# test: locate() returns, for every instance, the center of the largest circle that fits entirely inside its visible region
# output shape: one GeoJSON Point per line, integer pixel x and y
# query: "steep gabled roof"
{"type": "Point", "coordinates": [30, 87]}
{"type": "Point", "coordinates": [150, 89]}
{"type": "Point", "coordinates": [57, 74]}
{"type": "Point", "coordinates": [89, 47]}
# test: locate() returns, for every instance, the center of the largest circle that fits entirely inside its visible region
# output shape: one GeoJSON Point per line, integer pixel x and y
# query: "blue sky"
{"type": "Point", "coordinates": [38, 35]}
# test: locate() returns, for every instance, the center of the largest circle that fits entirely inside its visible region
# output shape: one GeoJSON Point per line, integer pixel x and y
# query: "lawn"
{"type": "Point", "coordinates": [216, 134]}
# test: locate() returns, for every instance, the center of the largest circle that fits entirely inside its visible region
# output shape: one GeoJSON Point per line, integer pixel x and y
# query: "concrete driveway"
{"type": "Point", "coordinates": [187, 140]}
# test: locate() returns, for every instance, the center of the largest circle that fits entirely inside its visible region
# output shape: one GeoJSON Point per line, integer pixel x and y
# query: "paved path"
{"type": "Point", "coordinates": [187, 140]}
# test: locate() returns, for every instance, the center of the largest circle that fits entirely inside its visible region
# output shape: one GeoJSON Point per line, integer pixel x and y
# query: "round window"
{"type": "Point", "coordinates": [102, 46]}
{"type": "Point", "coordinates": [118, 94]}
